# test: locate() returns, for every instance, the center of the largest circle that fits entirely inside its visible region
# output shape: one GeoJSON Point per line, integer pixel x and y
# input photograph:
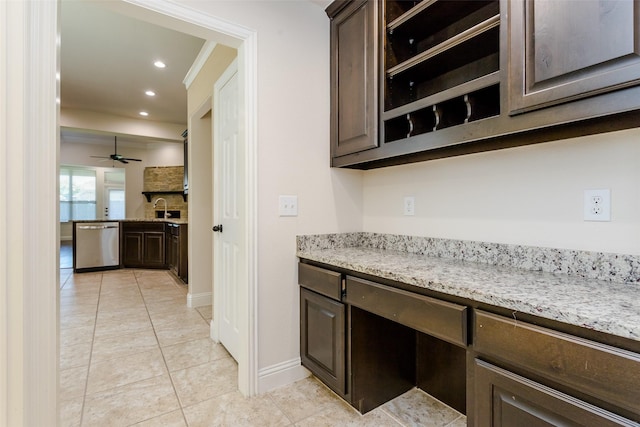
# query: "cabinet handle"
{"type": "Point", "coordinates": [217, 228]}
{"type": "Point", "coordinates": [470, 111]}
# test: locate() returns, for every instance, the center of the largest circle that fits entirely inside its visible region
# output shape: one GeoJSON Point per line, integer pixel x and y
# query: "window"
{"type": "Point", "coordinates": [77, 193]}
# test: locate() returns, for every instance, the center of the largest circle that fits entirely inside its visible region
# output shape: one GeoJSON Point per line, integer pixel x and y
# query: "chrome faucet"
{"type": "Point", "coordinates": [166, 214]}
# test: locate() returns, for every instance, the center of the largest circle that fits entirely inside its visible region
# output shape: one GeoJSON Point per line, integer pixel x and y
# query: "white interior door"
{"type": "Point", "coordinates": [229, 212]}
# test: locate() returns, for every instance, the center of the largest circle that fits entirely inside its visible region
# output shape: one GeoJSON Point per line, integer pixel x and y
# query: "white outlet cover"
{"type": "Point", "coordinates": [288, 205]}
{"type": "Point", "coordinates": [409, 206]}
{"type": "Point", "coordinates": [597, 205]}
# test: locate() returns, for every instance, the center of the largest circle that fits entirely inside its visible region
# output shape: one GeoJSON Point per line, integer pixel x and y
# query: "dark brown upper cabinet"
{"type": "Point", "coordinates": [427, 79]}
{"type": "Point", "coordinates": [354, 76]}
{"type": "Point", "coordinates": [560, 51]}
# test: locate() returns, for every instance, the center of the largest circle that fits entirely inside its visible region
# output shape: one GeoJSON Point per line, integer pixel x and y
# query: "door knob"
{"type": "Point", "coordinates": [217, 228]}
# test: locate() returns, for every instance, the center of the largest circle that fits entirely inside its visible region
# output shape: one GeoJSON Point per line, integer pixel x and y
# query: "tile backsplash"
{"type": "Point", "coordinates": [165, 178]}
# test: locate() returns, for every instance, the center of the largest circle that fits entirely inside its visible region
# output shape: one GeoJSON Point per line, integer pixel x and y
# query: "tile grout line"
{"type": "Point", "coordinates": [291, 423]}
{"type": "Point", "coordinates": [451, 423]}
{"type": "Point", "coordinates": [164, 359]}
{"type": "Point", "coordinates": [390, 415]}
{"type": "Point", "coordinates": [93, 338]}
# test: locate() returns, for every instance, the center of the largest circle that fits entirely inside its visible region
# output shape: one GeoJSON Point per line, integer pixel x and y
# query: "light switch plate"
{"type": "Point", "coordinates": [288, 205]}
{"type": "Point", "coordinates": [409, 206]}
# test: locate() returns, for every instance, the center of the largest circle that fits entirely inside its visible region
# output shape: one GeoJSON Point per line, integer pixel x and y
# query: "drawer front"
{"type": "Point", "coordinates": [506, 399]}
{"type": "Point", "coordinates": [320, 280]}
{"type": "Point", "coordinates": [599, 370]}
{"type": "Point", "coordinates": [441, 319]}
{"type": "Point", "coordinates": [143, 226]}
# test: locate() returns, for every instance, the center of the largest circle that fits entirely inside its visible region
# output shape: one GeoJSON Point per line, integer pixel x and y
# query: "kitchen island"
{"type": "Point", "coordinates": [143, 243]}
{"type": "Point", "coordinates": [489, 325]}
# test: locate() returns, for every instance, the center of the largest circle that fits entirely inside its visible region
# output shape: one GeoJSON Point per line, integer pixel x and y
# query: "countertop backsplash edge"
{"type": "Point", "coordinates": [592, 265]}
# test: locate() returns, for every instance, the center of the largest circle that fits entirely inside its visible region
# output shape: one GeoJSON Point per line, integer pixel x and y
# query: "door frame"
{"type": "Point", "coordinates": [29, 151]}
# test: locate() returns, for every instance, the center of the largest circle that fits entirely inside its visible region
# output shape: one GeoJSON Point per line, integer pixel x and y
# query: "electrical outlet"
{"type": "Point", "coordinates": [409, 206]}
{"type": "Point", "coordinates": [288, 205]}
{"type": "Point", "coordinates": [597, 205]}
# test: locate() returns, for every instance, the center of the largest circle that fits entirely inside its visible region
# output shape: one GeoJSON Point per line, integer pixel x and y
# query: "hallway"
{"type": "Point", "coordinates": [132, 353]}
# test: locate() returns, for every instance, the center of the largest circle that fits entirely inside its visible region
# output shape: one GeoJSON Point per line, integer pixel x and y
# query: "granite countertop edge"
{"type": "Point", "coordinates": [604, 306]}
{"type": "Point", "coordinates": [167, 220]}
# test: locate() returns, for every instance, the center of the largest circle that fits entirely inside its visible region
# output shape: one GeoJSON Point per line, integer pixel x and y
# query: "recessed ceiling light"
{"type": "Point", "coordinates": [159, 64]}
{"type": "Point", "coordinates": [143, 113]}
{"type": "Point", "coordinates": [150, 93]}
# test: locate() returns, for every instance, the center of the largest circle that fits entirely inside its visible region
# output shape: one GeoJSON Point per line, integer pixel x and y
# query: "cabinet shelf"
{"type": "Point", "coordinates": [442, 65]}
{"type": "Point", "coordinates": [429, 15]}
{"type": "Point", "coordinates": [409, 14]}
{"type": "Point", "coordinates": [150, 194]}
{"type": "Point", "coordinates": [467, 35]}
{"type": "Point", "coordinates": [459, 90]}
{"type": "Point", "coordinates": [438, 24]}
{"type": "Point", "coordinates": [466, 108]}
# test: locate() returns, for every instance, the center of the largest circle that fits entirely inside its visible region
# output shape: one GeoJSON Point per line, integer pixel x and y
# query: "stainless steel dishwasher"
{"type": "Point", "coordinates": [97, 245]}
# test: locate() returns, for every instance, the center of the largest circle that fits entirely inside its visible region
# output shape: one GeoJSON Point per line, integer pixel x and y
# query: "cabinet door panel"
{"type": "Point", "coordinates": [354, 78]}
{"type": "Point", "coordinates": [154, 248]}
{"type": "Point", "coordinates": [132, 248]}
{"type": "Point", "coordinates": [564, 50]}
{"type": "Point", "coordinates": [322, 338]}
{"type": "Point", "coordinates": [506, 399]}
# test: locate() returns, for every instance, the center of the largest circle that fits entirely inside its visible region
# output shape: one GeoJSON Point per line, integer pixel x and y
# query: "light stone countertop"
{"type": "Point", "coordinates": [168, 220]}
{"type": "Point", "coordinates": [607, 306]}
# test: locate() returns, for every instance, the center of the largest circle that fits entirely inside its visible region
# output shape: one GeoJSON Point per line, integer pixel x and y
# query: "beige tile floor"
{"type": "Point", "coordinates": [132, 353]}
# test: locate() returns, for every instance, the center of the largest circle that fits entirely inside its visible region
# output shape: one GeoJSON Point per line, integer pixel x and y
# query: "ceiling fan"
{"type": "Point", "coordinates": [115, 156]}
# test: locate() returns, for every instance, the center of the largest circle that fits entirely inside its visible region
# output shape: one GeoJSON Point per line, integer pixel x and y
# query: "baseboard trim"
{"type": "Point", "coordinates": [199, 300]}
{"type": "Point", "coordinates": [281, 374]}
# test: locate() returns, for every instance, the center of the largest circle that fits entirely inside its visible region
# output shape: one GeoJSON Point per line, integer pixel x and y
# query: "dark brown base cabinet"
{"type": "Point", "coordinates": [143, 245]}
{"type": "Point", "coordinates": [351, 342]}
{"type": "Point", "coordinates": [177, 250]}
{"type": "Point", "coordinates": [530, 375]}
{"type": "Point", "coordinates": [371, 342]}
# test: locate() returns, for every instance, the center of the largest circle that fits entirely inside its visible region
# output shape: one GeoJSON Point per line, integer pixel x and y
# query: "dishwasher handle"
{"type": "Point", "coordinates": [96, 227]}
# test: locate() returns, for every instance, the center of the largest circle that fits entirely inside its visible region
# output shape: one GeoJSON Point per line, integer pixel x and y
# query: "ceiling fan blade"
{"type": "Point", "coordinates": [115, 156]}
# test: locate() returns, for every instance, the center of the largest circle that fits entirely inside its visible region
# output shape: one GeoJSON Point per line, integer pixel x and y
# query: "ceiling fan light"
{"type": "Point", "coordinates": [150, 93]}
{"type": "Point", "coordinates": [143, 113]}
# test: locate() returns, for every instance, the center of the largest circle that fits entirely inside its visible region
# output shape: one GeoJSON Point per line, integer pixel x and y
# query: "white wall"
{"type": "Point", "coordinates": [82, 119]}
{"type": "Point", "coordinates": [293, 156]}
{"type": "Point", "coordinates": [529, 195]}
{"type": "Point", "coordinates": [151, 154]}
{"type": "Point", "coordinates": [200, 104]}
